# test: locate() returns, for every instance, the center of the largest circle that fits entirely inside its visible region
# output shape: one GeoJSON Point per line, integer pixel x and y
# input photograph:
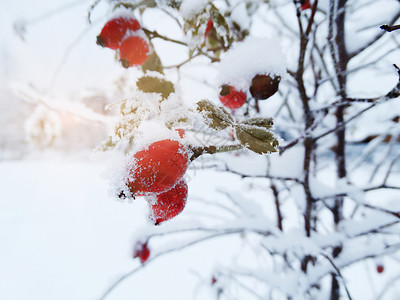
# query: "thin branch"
{"type": "Point", "coordinates": [389, 284]}
{"type": "Point", "coordinates": [338, 273]}
{"type": "Point", "coordinates": [198, 151]}
{"type": "Point", "coordinates": [91, 8]}
{"type": "Point", "coordinates": [280, 178]}
{"type": "Point", "coordinates": [344, 123]}
{"type": "Point", "coordinates": [389, 28]}
{"type": "Point", "coordinates": [155, 34]}
{"type": "Point", "coordinates": [307, 133]}
{"type": "Point", "coordinates": [160, 254]}
{"type": "Point", "coordinates": [375, 39]}
{"type": "Point", "coordinates": [368, 189]}
{"type": "Point", "coordinates": [394, 160]}
{"type": "Point", "coordinates": [311, 20]}
{"type": "Point", "coordinates": [277, 205]}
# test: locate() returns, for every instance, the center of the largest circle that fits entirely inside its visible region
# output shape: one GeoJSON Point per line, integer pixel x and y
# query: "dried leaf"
{"type": "Point", "coordinates": [256, 139]}
{"type": "Point", "coordinates": [153, 63]}
{"type": "Point", "coordinates": [149, 84]}
{"type": "Point", "coordinates": [215, 117]}
{"type": "Point", "coordinates": [266, 123]}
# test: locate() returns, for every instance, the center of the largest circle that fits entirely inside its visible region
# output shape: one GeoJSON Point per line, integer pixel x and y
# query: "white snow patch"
{"type": "Point", "coordinates": [255, 55]}
{"type": "Point", "coordinates": [122, 12]}
{"type": "Point", "coordinates": [239, 15]}
{"type": "Point", "coordinates": [190, 8]}
{"type": "Point", "coordinates": [288, 164]}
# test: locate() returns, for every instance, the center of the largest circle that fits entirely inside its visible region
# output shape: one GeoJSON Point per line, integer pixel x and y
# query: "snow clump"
{"type": "Point", "coordinates": [255, 55]}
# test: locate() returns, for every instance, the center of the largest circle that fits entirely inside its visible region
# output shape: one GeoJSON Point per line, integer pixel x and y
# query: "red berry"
{"type": "Point", "coordinates": [210, 26]}
{"type": "Point", "coordinates": [133, 51]}
{"type": "Point", "coordinates": [141, 251]}
{"type": "Point", "coordinates": [263, 86]}
{"type": "Point", "coordinates": [213, 280]}
{"type": "Point", "coordinates": [305, 5]}
{"type": "Point", "coordinates": [232, 98]}
{"type": "Point", "coordinates": [170, 203]}
{"type": "Point", "coordinates": [114, 31]}
{"type": "Point", "coordinates": [181, 132]}
{"type": "Point", "coordinates": [379, 268]}
{"type": "Point", "coordinates": [158, 168]}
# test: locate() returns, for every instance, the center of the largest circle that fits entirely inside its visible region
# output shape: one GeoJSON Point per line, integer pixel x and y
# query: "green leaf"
{"type": "Point", "coordinates": [215, 117]}
{"type": "Point", "coordinates": [256, 139]}
{"type": "Point", "coordinates": [149, 84]}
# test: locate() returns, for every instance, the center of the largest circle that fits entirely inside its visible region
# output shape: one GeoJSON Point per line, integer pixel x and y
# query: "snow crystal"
{"type": "Point", "coordinates": [189, 8]}
{"type": "Point", "coordinates": [255, 55]}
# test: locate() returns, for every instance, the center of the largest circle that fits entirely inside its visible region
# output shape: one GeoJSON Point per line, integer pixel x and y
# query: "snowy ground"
{"type": "Point", "coordinates": [64, 238]}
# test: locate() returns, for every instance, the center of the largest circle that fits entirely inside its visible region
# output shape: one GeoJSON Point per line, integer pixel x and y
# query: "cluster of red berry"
{"type": "Point", "coordinates": [125, 34]}
{"type": "Point", "coordinates": [262, 87]}
{"type": "Point", "coordinates": [157, 173]}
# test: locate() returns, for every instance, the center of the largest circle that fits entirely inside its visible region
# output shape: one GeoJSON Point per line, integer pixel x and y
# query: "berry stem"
{"type": "Point", "coordinates": [198, 151]}
{"type": "Point", "coordinates": [155, 34]}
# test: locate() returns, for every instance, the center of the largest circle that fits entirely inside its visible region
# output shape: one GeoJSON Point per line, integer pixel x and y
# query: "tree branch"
{"type": "Point", "coordinates": [375, 39]}
{"type": "Point", "coordinates": [389, 28]}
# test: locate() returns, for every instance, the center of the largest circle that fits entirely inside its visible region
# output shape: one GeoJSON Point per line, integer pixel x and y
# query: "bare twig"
{"type": "Point", "coordinates": [375, 39]}
{"type": "Point", "coordinates": [389, 28]}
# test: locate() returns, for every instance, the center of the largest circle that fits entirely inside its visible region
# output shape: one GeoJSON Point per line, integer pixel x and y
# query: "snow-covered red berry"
{"type": "Point", "coordinates": [170, 203]}
{"type": "Point", "coordinates": [263, 86]}
{"type": "Point", "coordinates": [305, 4]}
{"type": "Point", "coordinates": [181, 132]}
{"type": "Point", "coordinates": [141, 251]}
{"type": "Point", "coordinates": [158, 168]}
{"type": "Point", "coordinates": [133, 51]}
{"type": "Point", "coordinates": [113, 32]}
{"type": "Point", "coordinates": [210, 26]}
{"type": "Point", "coordinates": [380, 268]}
{"type": "Point", "coordinates": [232, 98]}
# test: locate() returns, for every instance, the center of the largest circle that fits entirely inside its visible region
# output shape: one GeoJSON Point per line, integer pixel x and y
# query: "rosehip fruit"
{"type": "Point", "coordinates": [210, 26]}
{"type": "Point", "coordinates": [170, 203]}
{"type": "Point", "coordinates": [263, 86]}
{"type": "Point", "coordinates": [379, 268]}
{"type": "Point", "coordinates": [141, 251]}
{"type": "Point", "coordinates": [158, 168]}
{"type": "Point", "coordinates": [133, 51]}
{"type": "Point", "coordinates": [114, 31]}
{"type": "Point", "coordinates": [232, 98]}
{"type": "Point", "coordinates": [305, 4]}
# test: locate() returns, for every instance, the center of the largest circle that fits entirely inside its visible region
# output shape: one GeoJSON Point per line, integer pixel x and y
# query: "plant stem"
{"type": "Point", "coordinates": [198, 151]}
